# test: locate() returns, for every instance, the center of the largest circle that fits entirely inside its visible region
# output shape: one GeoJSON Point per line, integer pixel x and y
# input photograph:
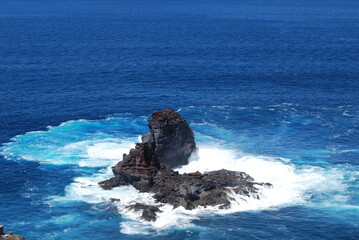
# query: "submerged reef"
{"type": "Point", "coordinates": [9, 235]}
{"type": "Point", "coordinates": [169, 144]}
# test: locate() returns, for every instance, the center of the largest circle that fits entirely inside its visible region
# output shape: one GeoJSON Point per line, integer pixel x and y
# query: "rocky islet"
{"type": "Point", "coordinates": [169, 144]}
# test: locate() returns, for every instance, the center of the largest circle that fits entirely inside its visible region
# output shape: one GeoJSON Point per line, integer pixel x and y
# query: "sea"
{"type": "Point", "coordinates": [269, 87]}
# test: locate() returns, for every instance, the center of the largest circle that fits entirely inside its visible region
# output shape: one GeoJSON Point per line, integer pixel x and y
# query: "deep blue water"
{"type": "Point", "coordinates": [278, 80]}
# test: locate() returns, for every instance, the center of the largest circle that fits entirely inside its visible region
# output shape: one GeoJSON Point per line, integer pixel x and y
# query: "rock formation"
{"type": "Point", "coordinates": [9, 235]}
{"type": "Point", "coordinates": [168, 144]}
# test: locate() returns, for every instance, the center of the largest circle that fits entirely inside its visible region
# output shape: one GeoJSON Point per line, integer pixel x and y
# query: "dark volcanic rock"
{"type": "Point", "coordinates": [169, 143]}
{"type": "Point", "coordinates": [172, 136]}
{"type": "Point", "coordinates": [9, 235]}
{"type": "Point", "coordinates": [115, 200]}
{"type": "Point", "coordinates": [148, 212]}
{"type": "Point", "coordinates": [208, 189]}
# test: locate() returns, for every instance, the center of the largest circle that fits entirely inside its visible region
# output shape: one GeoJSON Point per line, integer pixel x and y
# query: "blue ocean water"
{"type": "Point", "coordinates": [269, 87]}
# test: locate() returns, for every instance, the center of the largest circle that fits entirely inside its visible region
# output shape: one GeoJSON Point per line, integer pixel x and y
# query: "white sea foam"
{"type": "Point", "coordinates": [291, 184]}
{"type": "Point", "coordinates": [87, 153]}
{"type": "Point", "coordinates": [104, 153]}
